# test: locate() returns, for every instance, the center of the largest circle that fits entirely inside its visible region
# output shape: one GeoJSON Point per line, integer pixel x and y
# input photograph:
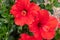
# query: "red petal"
{"type": "Point", "coordinates": [24, 3]}
{"type": "Point", "coordinates": [48, 34]}
{"type": "Point", "coordinates": [35, 30]}
{"type": "Point", "coordinates": [26, 37]}
{"type": "Point", "coordinates": [24, 20]}
{"type": "Point", "coordinates": [59, 25]}
{"type": "Point", "coordinates": [51, 24]}
{"type": "Point", "coordinates": [19, 21]}
{"type": "Point", "coordinates": [15, 10]}
{"type": "Point", "coordinates": [33, 9]}
{"type": "Point", "coordinates": [43, 16]}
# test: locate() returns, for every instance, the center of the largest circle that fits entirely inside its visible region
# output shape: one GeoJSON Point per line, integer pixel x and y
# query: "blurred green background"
{"type": "Point", "coordinates": [10, 31]}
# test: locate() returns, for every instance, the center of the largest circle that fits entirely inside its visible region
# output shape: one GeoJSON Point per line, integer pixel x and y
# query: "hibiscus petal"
{"type": "Point", "coordinates": [35, 30]}
{"type": "Point", "coordinates": [19, 21]}
{"type": "Point", "coordinates": [22, 20]}
{"type": "Point", "coordinates": [24, 3]}
{"type": "Point", "coordinates": [33, 9]}
{"type": "Point", "coordinates": [43, 16]}
{"type": "Point", "coordinates": [25, 36]}
{"type": "Point", "coordinates": [15, 11]}
{"type": "Point", "coordinates": [59, 25]}
{"type": "Point", "coordinates": [29, 19]}
{"type": "Point", "coordinates": [47, 34]}
{"type": "Point", "coordinates": [51, 24]}
{"type": "Point", "coordinates": [34, 6]}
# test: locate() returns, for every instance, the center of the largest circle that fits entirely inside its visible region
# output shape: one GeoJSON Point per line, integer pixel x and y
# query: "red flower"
{"type": "Point", "coordinates": [43, 16]}
{"type": "Point", "coordinates": [26, 37]}
{"type": "Point", "coordinates": [34, 29]}
{"type": "Point", "coordinates": [40, 22]}
{"type": "Point", "coordinates": [59, 25]}
{"type": "Point", "coordinates": [51, 24]}
{"type": "Point", "coordinates": [45, 26]}
{"type": "Point", "coordinates": [24, 12]}
{"type": "Point", "coordinates": [47, 34]}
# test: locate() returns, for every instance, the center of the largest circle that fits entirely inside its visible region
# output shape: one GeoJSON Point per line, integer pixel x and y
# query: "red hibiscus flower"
{"type": "Point", "coordinates": [59, 25]}
{"type": "Point", "coordinates": [25, 36]}
{"type": "Point", "coordinates": [43, 16]}
{"type": "Point", "coordinates": [45, 26]}
{"type": "Point", "coordinates": [24, 12]}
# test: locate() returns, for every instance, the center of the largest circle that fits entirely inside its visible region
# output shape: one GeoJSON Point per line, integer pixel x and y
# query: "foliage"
{"type": "Point", "coordinates": [10, 31]}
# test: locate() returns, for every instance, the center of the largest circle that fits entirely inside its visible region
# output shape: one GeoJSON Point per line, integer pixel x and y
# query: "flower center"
{"type": "Point", "coordinates": [24, 12]}
{"type": "Point", "coordinates": [39, 24]}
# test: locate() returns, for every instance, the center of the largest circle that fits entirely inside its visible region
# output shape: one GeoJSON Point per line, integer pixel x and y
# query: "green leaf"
{"type": "Point", "coordinates": [6, 20]}
{"type": "Point", "coordinates": [11, 38]}
{"type": "Point", "coordinates": [55, 1]}
{"type": "Point", "coordinates": [19, 29]}
{"type": "Point", "coordinates": [0, 0]}
{"type": "Point", "coordinates": [1, 11]}
{"type": "Point", "coordinates": [42, 6]}
{"type": "Point", "coordinates": [5, 15]}
{"type": "Point", "coordinates": [50, 0]}
{"type": "Point", "coordinates": [38, 1]}
{"type": "Point", "coordinates": [9, 2]}
{"type": "Point", "coordinates": [14, 33]}
{"type": "Point", "coordinates": [57, 34]}
{"type": "Point", "coordinates": [57, 4]}
{"type": "Point", "coordinates": [3, 32]}
{"type": "Point", "coordinates": [25, 28]}
{"type": "Point", "coordinates": [48, 7]}
{"type": "Point", "coordinates": [35, 1]}
{"type": "Point", "coordinates": [41, 1]}
{"type": "Point", "coordinates": [51, 11]}
{"type": "Point", "coordinates": [3, 7]}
